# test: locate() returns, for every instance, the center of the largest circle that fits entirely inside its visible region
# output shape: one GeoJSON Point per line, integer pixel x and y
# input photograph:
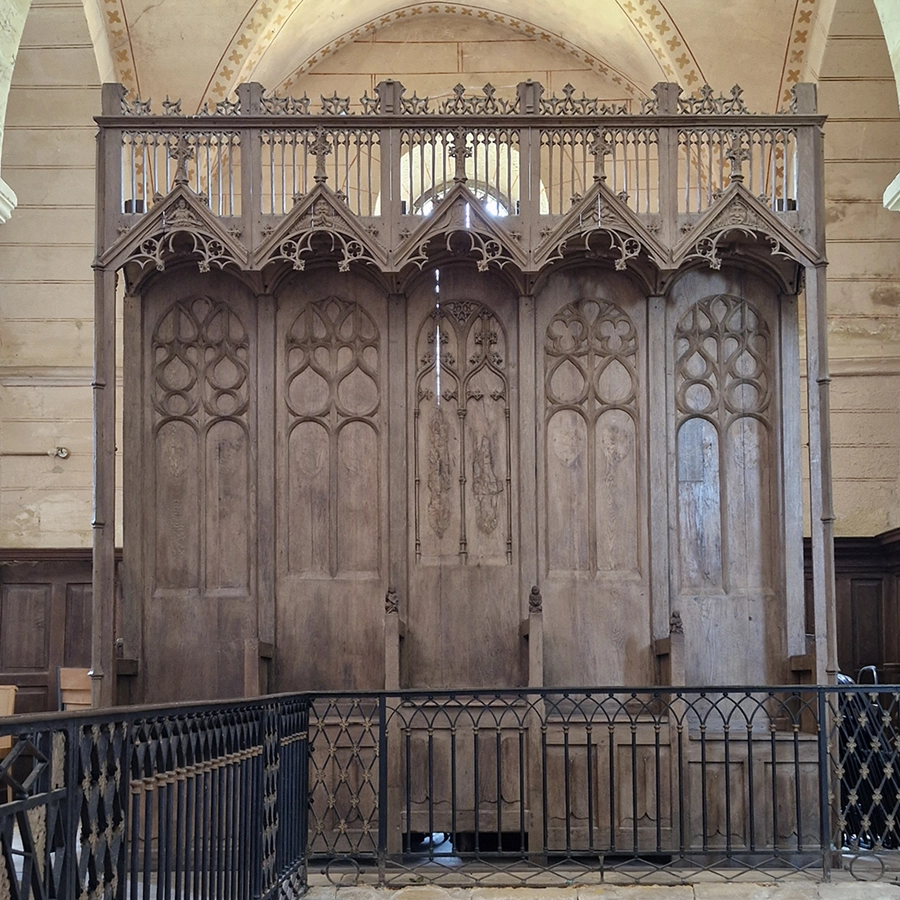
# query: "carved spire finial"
{"type": "Point", "coordinates": [737, 155]}
{"type": "Point", "coordinates": [181, 152]}
{"type": "Point", "coordinates": [600, 148]}
{"type": "Point", "coordinates": [320, 147]}
{"type": "Point", "coordinates": [460, 152]}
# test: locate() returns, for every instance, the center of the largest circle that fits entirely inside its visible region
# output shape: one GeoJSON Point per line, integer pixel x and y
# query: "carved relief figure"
{"type": "Point", "coordinates": [439, 474]}
{"type": "Point", "coordinates": [485, 485]}
{"type": "Point", "coordinates": [462, 440]}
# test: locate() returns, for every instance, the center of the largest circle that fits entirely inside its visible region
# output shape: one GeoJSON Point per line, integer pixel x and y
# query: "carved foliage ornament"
{"type": "Point", "coordinates": [320, 228]}
{"type": "Point", "coordinates": [182, 233]}
{"type": "Point", "coordinates": [457, 226]}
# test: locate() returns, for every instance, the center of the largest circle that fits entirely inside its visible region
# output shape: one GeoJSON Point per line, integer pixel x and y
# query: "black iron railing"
{"type": "Point", "coordinates": [257, 798]}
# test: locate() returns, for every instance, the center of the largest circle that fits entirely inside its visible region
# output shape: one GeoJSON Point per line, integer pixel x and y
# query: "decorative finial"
{"type": "Point", "coordinates": [460, 152]}
{"type": "Point", "coordinates": [600, 148]}
{"type": "Point", "coordinates": [320, 147]}
{"type": "Point", "coordinates": [181, 152]}
{"type": "Point", "coordinates": [737, 155]}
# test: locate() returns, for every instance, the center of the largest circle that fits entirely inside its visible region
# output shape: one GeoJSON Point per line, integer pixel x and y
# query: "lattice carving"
{"type": "Point", "coordinates": [591, 414]}
{"type": "Point", "coordinates": [722, 367]}
{"type": "Point", "coordinates": [200, 356]}
{"type": "Point", "coordinates": [333, 403]}
{"type": "Point", "coordinates": [462, 452]}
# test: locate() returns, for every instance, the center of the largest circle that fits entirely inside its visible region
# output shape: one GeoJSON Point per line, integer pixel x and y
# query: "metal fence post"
{"type": "Point", "coordinates": [382, 788]}
{"type": "Point", "coordinates": [824, 763]}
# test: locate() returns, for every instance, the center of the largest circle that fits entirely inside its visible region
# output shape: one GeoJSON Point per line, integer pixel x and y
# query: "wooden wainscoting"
{"type": "Point", "coordinates": [45, 621]}
{"type": "Point", "coordinates": [867, 575]}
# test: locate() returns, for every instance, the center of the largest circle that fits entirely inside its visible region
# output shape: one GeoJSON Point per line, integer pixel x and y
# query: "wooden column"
{"type": "Point", "coordinates": [266, 493]}
{"type": "Point", "coordinates": [133, 549]}
{"type": "Point", "coordinates": [659, 411]}
{"type": "Point", "coordinates": [398, 500]}
{"type": "Point", "coordinates": [103, 675]}
{"type": "Point", "coordinates": [529, 405]}
{"type": "Point", "coordinates": [820, 494]}
{"type": "Point", "coordinates": [792, 480]}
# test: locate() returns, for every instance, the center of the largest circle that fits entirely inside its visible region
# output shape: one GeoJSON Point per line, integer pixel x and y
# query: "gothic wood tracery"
{"type": "Point", "coordinates": [462, 435]}
{"type": "Point", "coordinates": [201, 396]}
{"type": "Point", "coordinates": [726, 431]}
{"type": "Point", "coordinates": [593, 496]}
{"type": "Point", "coordinates": [591, 422]}
{"type": "Point", "coordinates": [333, 404]}
{"type": "Point", "coordinates": [330, 456]}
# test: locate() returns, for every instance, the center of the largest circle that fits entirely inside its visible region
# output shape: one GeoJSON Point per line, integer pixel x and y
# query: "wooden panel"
{"type": "Point", "coordinates": [331, 459]}
{"type": "Point", "coordinates": [25, 627]}
{"type": "Point", "coordinates": [199, 424]}
{"type": "Point", "coordinates": [77, 652]}
{"type": "Point", "coordinates": [45, 621]}
{"type": "Point", "coordinates": [464, 609]}
{"type": "Point", "coordinates": [591, 340]}
{"type": "Point", "coordinates": [723, 335]}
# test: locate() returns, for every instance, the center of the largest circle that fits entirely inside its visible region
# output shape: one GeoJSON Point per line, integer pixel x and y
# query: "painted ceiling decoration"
{"type": "Point", "coordinates": [630, 43]}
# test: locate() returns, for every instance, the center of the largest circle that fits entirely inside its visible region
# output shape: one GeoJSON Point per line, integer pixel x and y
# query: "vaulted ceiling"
{"type": "Point", "coordinates": [200, 51]}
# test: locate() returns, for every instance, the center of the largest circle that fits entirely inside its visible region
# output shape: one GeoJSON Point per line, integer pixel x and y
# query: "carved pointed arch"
{"type": "Point", "coordinates": [180, 226]}
{"type": "Point", "coordinates": [459, 222]}
{"type": "Point", "coordinates": [321, 220]}
{"type": "Point", "coordinates": [738, 213]}
{"type": "Point", "coordinates": [601, 213]}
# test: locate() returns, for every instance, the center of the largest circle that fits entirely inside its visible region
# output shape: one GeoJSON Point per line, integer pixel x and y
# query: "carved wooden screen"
{"type": "Point", "coordinates": [198, 469]}
{"type": "Point", "coordinates": [463, 598]}
{"type": "Point", "coordinates": [591, 335]}
{"type": "Point", "coordinates": [724, 338]}
{"type": "Point", "coordinates": [330, 482]}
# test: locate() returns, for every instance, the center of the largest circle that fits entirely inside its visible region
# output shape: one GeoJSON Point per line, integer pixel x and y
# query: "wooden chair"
{"type": "Point", "coordinates": [74, 688]}
{"type": "Point", "coordinates": [7, 708]}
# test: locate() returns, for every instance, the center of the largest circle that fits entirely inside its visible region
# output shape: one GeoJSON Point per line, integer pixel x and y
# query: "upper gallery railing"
{"type": "Point", "coordinates": [260, 797]}
{"type": "Point", "coordinates": [390, 158]}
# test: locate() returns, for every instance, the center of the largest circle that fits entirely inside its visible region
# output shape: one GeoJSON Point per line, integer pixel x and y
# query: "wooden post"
{"type": "Point", "coordinates": [266, 491]}
{"type": "Point", "coordinates": [658, 410]}
{"type": "Point", "coordinates": [792, 493]}
{"type": "Point", "coordinates": [250, 95]}
{"type": "Point", "coordinates": [820, 497]}
{"type": "Point", "coordinates": [103, 673]}
{"type": "Point", "coordinates": [667, 100]}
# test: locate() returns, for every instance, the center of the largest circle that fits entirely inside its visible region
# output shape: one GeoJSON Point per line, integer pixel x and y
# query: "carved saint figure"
{"type": "Point", "coordinates": [485, 485]}
{"type": "Point", "coordinates": [439, 476]}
